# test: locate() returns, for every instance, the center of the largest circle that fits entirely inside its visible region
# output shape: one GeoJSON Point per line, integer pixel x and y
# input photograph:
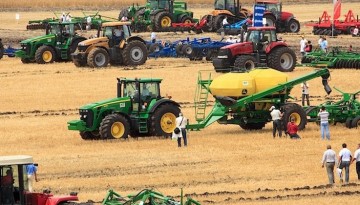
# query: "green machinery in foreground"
{"type": "Point", "coordinates": [138, 109]}
{"type": "Point", "coordinates": [346, 110]}
{"type": "Point", "coordinates": [158, 15]}
{"type": "Point", "coordinates": [244, 99]}
{"type": "Point", "coordinates": [59, 41]}
{"type": "Point", "coordinates": [146, 196]}
{"type": "Point", "coordinates": [335, 58]}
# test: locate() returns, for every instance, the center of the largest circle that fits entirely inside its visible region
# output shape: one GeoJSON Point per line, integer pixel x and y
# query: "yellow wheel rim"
{"type": "Point", "coordinates": [167, 122]}
{"type": "Point", "coordinates": [297, 118]}
{"type": "Point", "coordinates": [187, 21]}
{"type": "Point", "coordinates": [47, 56]}
{"type": "Point", "coordinates": [165, 21]}
{"type": "Point", "coordinates": [117, 130]}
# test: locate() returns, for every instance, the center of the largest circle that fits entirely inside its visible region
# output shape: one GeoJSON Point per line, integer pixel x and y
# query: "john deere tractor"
{"type": "Point", "coordinates": [158, 15]}
{"type": "Point", "coordinates": [114, 44]}
{"type": "Point", "coordinates": [57, 44]}
{"type": "Point", "coordinates": [138, 109]}
{"type": "Point", "coordinates": [225, 8]}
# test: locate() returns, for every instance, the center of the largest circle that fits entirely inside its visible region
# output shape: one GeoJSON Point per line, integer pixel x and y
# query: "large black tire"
{"type": "Point", "coordinates": [188, 51]}
{"type": "Point", "coordinates": [114, 126]}
{"type": "Point", "coordinates": [348, 123]}
{"type": "Point", "coordinates": [292, 110]}
{"type": "Point", "coordinates": [244, 62]}
{"type": "Point", "coordinates": [135, 53]}
{"type": "Point", "coordinates": [293, 26]}
{"type": "Point", "coordinates": [217, 23]}
{"type": "Point", "coordinates": [45, 54]}
{"type": "Point", "coordinates": [187, 19]}
{"type": "Point", "coordinates": [162, 121]}
{"type": "Point", "coordinates": [282, 59]}
{"type": "Point", "coordinates": [209, 24]}
{"type": "Point", "coordinates": [162, 20]}
{"type": "Point", "coordinates": [98, 57]}
{"type": "Point", "coordinates": [178, 49]}
{"type": "Point", "coordinates": [211, 54]}
{"type": "Point", "coordinates": [253, 126]}
{"type": "Point", "coordinates": [270, 19]}
{"type": "Point", "coordinates": [355, 123]}
{"type": "Point", "coordinates": [89, 135]}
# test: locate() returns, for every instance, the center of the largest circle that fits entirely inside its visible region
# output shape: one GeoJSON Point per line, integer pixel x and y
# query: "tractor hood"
{"type": "Point", "coordinates": [286, 16]}
{"type": "Point", "coordinates": [93, 41]}
{"type": "Point", "coordinates": [105, 103]}
{"type": "Point", "coordinates": [49, 38]}
{"type": "Point", "coordinates": [237, 48]}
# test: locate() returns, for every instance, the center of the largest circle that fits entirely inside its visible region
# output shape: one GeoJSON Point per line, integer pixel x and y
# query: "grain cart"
{"type": "Point", "coordinates": [114, 44]}
{"type": "Point", "coordinates": [138, 109]}
{"type": "Point", "coordinates": [57, 44]}
{"type": "Point", "coordinates": [260, 48]}
{"type": "Point", "coordinates": [158, 15]}
{"type": "Point", "coordinates": [346, 110]}
{"type": "Point", "coordinates": [146, 196]}
{"type": "Point", "coordinates": [225, 8]}
{"type": "Point", "coordinates": [18, 192]}
{"type": "Point", "coordinates": [244, 99]}
{"type": "Point", "coordinates": [275, 16]}
{"type": "Point", "coordinates": [335, 59]}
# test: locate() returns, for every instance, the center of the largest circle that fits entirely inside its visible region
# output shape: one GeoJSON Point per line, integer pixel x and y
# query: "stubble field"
{"type": "Point", "coordinates": [223, 164]}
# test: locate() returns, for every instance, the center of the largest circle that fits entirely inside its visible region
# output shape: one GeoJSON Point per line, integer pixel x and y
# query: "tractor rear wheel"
{"type": "Point", "coordinates": [135, 53]}
{"type": "Point", "coordinates": [355, 123]}
{"type": "Point", "coordinates": [282, 59]}
{"type": "Point", "coordinates": [292, 110]}
{"type": "Point", "coordinates": [90, 135]}
{"type": "Point", "coordinates": [244, 62]}
{"type": "Point", "coordinates": [293, 26]}
{"type": "Point", "coordinates": [98, 57]}
{"type": "Point", "coordinates": [163, 120]}
{"type": "Point", "coordinates": [162, 20]}
{"type": "Point", "coordinates": [270, 19]}
{"type": "Point", "coordinates": [44, 54]}
{"type": "Point", "coordinates": [217, 23]}
{"type": "Point", "coordinates": [253, 126]}
{"type": "Point", "coordinates": [114, 126]}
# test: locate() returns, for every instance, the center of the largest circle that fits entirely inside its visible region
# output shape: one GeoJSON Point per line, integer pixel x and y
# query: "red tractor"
{"type": "Point", "coordinates": [284, 21]}
{"type": "Point", "coordinates": [261, 48]}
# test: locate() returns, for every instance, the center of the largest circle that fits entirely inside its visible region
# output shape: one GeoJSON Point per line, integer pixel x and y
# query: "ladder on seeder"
{"type": "Point", "coordinates": [201, 95]}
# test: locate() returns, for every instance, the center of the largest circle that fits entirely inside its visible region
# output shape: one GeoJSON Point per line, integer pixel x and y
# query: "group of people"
{"type": "Point", "coordinates": [8, 179]}
{"type": "Point", "coordinates": [307, 47]}
{"type": "Point", "coordinates": [65, 17]}
{"type": "Point", "coordinates": [291, 128]}
{"type": "Point", "coordinates": [343, 161]}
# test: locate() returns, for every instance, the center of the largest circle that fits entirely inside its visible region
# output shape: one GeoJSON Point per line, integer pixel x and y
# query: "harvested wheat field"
{"type": "Point", "coordinates": [223, 164]}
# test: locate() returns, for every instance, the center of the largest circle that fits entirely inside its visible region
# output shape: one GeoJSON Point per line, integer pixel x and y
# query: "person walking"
{"type": "Point", "coordinates": [305, 93]}
{"type": "Point", "coordinates": [319, 42]}
{"type": "Point", "coordinates": [181, 123]}
{"type": "Point", "coordinates": [329, 160]}
{"type": "Point", "coordinates": [357, 159]}
{"type": "Point", "coordinates": [31, 170]}
{"type": "Point", "coordinates": [324, 123]}
{"type": "Point", "coordinates": [344, 162]}
{"type": "Point", "coordinates": [303, 42]}
{"type": "Point", "coordinates": [276, 116]}
{"type": "Point", "coordinates": [292, 129]}
{"type": "Point", "coordinates": [324, 44]}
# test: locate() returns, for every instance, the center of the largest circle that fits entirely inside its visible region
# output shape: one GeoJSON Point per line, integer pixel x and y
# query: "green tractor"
{"type": "Point", "coordinates": [138, 109]}
{"type": "Point", "coordinates": [57, 44]}
{"type": "Point", "coordinates": [158, 15]}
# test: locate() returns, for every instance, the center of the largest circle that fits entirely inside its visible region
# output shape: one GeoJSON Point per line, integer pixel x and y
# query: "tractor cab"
{"type": "Point", "coordinates": [261, 37]}
{"type": "Point", "coordinates": [141, 91]}
{"type": "Point", "coordinates": [115, 32]}
{"type": "Point", "coordinates": [15, 188]}
{"type": "Point", "coordinates": [271, 6]}
{"type": "Point", "coordinates": [230, 5]}
{"type": "Point", "coordinates": [62, 31]}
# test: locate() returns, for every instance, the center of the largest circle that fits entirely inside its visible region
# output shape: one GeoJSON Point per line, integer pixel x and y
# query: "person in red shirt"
{"type": "Point", "coordinates": [7, 179]}
{"type": "Point", "coordinates": [292, 129]}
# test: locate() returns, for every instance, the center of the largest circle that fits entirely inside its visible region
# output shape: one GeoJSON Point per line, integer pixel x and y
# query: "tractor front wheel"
{"type": "Point", "coordinates": [44, 54]}
{"type": "Point", "coordinates": [282, 59]}
{"type": "Point", "coordinates": [114, 126]}
{"type": "Point", "coordinates": [98, 57]}
{"type": "Point", "coordinates": [293, 110]}
{"type": "Point", "coordinates": [293, 26]}
{"type": "Point", "coordinates": [244, 62]}
{"type": "Point", "coordinates": [135, 53]}
{"type": "Point", "coordinates": [163, 120]}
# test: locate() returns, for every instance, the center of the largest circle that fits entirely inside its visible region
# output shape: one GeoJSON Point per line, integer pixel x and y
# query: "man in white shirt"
{"type": "Point", "coordinates": [153, 37]}
{"type": "Point", "coordinates": [355, 31]}
{"type": "Point", "coordinates": [324, 123]}
{"type": "Point", "coordinates": [329, 160]}
{"type": "Point", "coordinates": [357, 159]}
{"type": "Point", "coordinates": [225, 22]}
{"type": "Point", "coordinates": [181, 123]}
{"type": "Point", "coordinates": [276, 116]}
{"type": "Point", "coordinates": [303, 42]}
{"type": "Point", "coordinates": [344, 162]}
{"type": "Point", "coordinates": [305, 93]}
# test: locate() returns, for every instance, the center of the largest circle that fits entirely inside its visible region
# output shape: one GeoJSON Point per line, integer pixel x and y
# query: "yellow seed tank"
{"type": "Point", "coordinates": [239, 85]}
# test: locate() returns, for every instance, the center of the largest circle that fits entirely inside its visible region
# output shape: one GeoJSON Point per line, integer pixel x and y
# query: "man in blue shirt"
{"type": "Point", "coordinates": [31, 174]}
{"type": "Point", "coordinates": [324, 44]}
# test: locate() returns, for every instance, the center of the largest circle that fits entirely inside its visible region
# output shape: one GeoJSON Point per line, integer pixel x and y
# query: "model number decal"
{"type": "Point", "coordinates": [122, 104]}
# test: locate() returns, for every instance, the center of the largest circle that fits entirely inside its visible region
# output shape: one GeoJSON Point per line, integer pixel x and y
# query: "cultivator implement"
{"type": "Point", "coordinates": [335, 59]}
